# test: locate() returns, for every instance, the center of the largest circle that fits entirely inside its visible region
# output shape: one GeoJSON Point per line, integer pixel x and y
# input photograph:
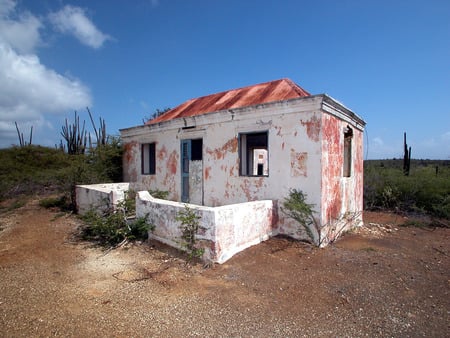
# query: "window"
{"type": "Point", "coordinates": [148, 159]}
{"type": "Point", "coordinates": [254, 154]}
{"type": "Point", "coordinates": [196, 149]}
{"type": "Point", "coordinates": [348, 135]}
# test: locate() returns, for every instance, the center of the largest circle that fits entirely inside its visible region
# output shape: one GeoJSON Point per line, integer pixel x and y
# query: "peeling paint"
{"type": "Point", "coordinates": [299, 164]}
{"type": "Point", "coordinates": [220, 153]}
{"type": "Point", "coordinates": [305, 151]}
{"type": "Point", "coordinates": [128, 151]}
{"type": "Point", "coordinates": [207, 173]}
{"type": "Point", "coordinates": [172, 162]}
{"type": "Point", "coordinates": [312, 128]}
{"type": "Point", "coordinates": [162, 153]}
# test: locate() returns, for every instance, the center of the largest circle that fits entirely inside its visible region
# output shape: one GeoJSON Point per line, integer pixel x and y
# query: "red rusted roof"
{"type": "Point", "coordinates": [277, 90]}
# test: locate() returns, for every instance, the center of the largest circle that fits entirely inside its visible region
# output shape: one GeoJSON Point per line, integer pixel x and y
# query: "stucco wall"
{"type": "Point", "coordinates": [342, 199]}
{"type": "Point", "coordinates": [225, 230]}
{"type": "Point", "coordinates": [99, 196]}
{"type": "Point", "coordinates": [294, 157]}
{"type": "Point", "coordinates": [305, 145]}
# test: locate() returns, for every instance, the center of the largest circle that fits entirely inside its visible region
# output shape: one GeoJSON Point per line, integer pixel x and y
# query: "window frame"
{"type": "Point", "coordinates": [347, 153]}
{"type": "Point", "coordinates": [246, 161]}
{"type": "Point", "coordinates": [148, 158]}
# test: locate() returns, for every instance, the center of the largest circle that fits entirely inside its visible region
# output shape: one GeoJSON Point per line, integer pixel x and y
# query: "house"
{"type": "Point", "coordinates": [252, 144]}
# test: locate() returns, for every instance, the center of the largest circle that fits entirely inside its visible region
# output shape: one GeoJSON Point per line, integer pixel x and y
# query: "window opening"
{"type": "Point", "coordinates": [197, 149]}
{"type": "Point", "coordinates": [254, 154]}
{"type": "Point", "coordinates": [148, 159]}
{"type": "Point", "coordinates": [348, 135]}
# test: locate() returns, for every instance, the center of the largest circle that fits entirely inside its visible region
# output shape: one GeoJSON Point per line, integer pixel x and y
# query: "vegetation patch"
{"type": "Point", "coordinates": [190, 226]}
{"type": "Point", "coordinates": [296, 207]}
{"type": "Point", "coordinates": [161, 194]}
{"type": "Point", "coordinates": [115, 226]}
{"type": "Point", "coordinates": [425, 191]}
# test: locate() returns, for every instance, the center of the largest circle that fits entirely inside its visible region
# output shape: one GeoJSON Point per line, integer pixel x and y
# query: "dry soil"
{"type": "Point", "coordinates": [381, 280]}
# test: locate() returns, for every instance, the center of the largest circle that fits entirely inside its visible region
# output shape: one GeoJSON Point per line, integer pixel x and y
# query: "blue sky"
{"type": "Point", "coordinates": [388, 61]}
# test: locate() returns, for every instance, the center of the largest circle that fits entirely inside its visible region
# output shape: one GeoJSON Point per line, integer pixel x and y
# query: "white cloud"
{"type": "Point", "coordinates": [378, 141]}
{"type": "Point", "coordinates": [20, 32]}
{"type": "Point", "coordinates": [30, 92]}
{"type": "Point", "coordinates": [446, 137]}
{"type": "Point", "coordinates": [73, 20]}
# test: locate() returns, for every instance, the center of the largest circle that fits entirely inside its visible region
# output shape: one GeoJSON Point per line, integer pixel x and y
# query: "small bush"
{"type": "Point", "coordinates": [161, 194]}
{"type": "Point", "coordinates": [190, 226]}
{"type": "Point", "coordinates": [54, 202]}
{"type": "Point", "coordinates": [114, 226]}
{"type": "Point", "coordinates": [296, 207]}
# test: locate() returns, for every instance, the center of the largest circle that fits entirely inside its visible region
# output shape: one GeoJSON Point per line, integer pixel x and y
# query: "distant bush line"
{"type": "Point", "coordinates": [425, 191]}
{"type": "Point", "coordinates": [36, 170]}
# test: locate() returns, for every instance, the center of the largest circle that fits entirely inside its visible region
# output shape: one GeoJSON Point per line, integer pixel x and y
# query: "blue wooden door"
{"type": "Point", "coordinates": [185, 158]}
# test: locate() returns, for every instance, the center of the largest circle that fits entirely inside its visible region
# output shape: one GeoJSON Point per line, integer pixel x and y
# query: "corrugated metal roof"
{"type": "Point", "coordinates": [277, 90]}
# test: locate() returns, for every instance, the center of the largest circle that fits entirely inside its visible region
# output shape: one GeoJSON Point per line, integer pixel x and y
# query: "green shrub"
{"type": "Point", "coordinates": [36, 170]}
{"type": "Point", "coordinates": [190, 226]}
{"type": "Point", "coordinates": [54, 202]}
{"type": "Point", "coordinates": [113, 228]}
{"type": "Point", "coordinates": [161, 194]}
{"type": "Point", "coordinates": [296, 207]}
{"type": "Point", "coordinates": [426, 190]}
{"type": "Point", "coordinates": [116, 225]}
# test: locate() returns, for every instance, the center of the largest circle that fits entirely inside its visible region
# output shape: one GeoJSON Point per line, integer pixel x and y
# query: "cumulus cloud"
{"type": "Point", "coordinates": [30, 91]}
{"type": "Point", "coordinates": [21, 31]}
{"type": "Point", "coordinates": [73, 20]}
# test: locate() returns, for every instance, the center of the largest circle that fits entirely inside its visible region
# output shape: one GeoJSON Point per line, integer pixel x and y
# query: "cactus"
{"type": "Point", "coordinates": [76, 137]}
{"type": "Point", "coordinates": [22, 142]}
{"type": "Point", "coordinates": [406, 157]}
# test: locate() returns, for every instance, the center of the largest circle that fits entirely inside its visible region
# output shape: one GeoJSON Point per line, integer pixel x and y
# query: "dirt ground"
{"type": "Point", "coordinates": [381, 280]}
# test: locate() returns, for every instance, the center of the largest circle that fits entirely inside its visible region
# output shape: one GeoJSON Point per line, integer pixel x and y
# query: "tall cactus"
{"type": "Point", "coordinates": [100, 134]}
{"type": "Point", "coordinates": [76, 137]}
{"type": "Point", "coordinates": [22, 142]}
{"type": "Point", "coordinates": [406, 156]}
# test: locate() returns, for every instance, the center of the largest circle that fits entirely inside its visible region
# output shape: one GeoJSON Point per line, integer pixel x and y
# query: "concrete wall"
{"type": "Point", "coordinates": [99, 196]}
{"type": "Point", "coordinates": [225, 230]}
{"type": "Point", "coordinates": [294, 159]}
{"type": "Point", "coordinates": [342, 197]}
{"type": "Point", "coordinates": [305, 151]}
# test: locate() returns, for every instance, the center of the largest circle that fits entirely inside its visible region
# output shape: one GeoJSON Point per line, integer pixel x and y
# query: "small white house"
{"type": "Point", "coordinates": [255, 143]}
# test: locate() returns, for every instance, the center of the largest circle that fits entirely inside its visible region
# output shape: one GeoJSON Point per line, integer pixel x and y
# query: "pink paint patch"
{"type": "Point", "coordinates": [312, 128]}
{"type": "Point", "coordinates": [172, 163]}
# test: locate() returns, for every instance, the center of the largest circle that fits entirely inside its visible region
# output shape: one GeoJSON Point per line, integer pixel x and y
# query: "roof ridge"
{"type": "Point", "coordinates": [240, 88]}
{"type": "Point", "coordinates": [237, 97]}
{"type": "Point", "coordinates": [296, 87]}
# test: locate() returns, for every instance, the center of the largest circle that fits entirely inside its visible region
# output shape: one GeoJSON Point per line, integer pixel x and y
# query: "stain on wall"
{"type": "Point", "coordinates": [298, 163]}
{"type": "Point", "coordinates": [332, 157]}
{"type": "Point", "coordinates": [207, 173]}
{"type": "Point", "coordinates": [130, 167]}
{"type": "Point", "coordinates": [172, 163]}
{"type": "Point", "coordinates": [220, 153]}
{"type": "Point", "coordinates": [313, 126]}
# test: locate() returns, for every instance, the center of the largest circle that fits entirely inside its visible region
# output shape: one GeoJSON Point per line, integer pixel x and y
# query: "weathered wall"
{"type": "Point", "coordinates": [225, 230]}
{"type": "Point", "coordinates": [294, 153]}
{"type": "Point", "coordinates": [305, 151]}
{"type": "Point", "coordinates": [99, 196]}
{"type": "Point", "coordinates": [342, 199]}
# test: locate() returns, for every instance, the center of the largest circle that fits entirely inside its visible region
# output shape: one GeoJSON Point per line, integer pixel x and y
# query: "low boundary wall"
{"type": "Point", "coordinates": [99, 196]}
{"type": "Point", "coordinates": [225, 230]}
